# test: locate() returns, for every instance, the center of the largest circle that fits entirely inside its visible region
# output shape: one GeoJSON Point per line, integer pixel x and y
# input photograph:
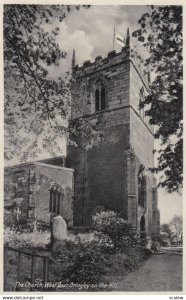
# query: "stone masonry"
{"type": "Point", "coordinates": [28, 186]}
{"type": "Point", "coordinates": [107, 174]}
{"type": "Point", "coordinates": [115, 172]}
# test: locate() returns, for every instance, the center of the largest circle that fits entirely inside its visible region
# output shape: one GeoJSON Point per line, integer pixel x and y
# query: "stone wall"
{"type": "Point", "coordinates": [141, 140]}
{"type": "Point", "coordinates": [138, 83]}
{"type": "Point", "coordinates": [131, 179]}
{"type": "Point", "coordinates": [107, 175]}
{"type": "Point", "coordinates": [156, 214]}
{"type": "Point", "coordinates": [100, 172]}
{"type": "Point", "coordinates": [19, 188]}
{"type": "Point", "coordinates": [134, 210]}
{"type": "Point", "coordinates": [45, 175]}
{"type": "Point", "coordinates": [113, 70]}
{"type": "Point", "coordinates": [28, 185]}
{"type": "Point", "coordinates": [142, 144]}
{"type": "Point", "coordinates": [141, 132]}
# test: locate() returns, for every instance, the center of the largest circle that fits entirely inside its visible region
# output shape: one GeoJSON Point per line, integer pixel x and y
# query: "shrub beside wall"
{"type": "Point", "coordinates": [113, 249]}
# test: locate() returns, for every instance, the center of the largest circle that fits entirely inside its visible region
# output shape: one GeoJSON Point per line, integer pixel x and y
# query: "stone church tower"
{"type": "Point", "coordinates": [114, 174]}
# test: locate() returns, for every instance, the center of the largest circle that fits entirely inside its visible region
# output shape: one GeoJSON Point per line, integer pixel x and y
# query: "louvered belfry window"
{"type": "Point", "coordinates": [100, 96]}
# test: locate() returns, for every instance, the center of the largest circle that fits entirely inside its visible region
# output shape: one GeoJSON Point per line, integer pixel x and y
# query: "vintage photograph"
{"type": "Point", "coordinates": [93, 148]}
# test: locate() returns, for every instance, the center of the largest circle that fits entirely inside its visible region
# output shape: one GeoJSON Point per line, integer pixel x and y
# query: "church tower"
{"type": "Point", "coordinates": [114, 174]}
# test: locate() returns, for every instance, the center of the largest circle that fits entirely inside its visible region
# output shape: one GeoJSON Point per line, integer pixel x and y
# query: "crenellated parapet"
{"type": "Point", "coordinates": [112, 59]}
{"type": "Point", "coordinates": [100, 63]}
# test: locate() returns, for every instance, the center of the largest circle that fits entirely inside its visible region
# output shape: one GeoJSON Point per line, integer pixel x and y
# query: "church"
{"type": "Point", "coordinates": [114, 173]}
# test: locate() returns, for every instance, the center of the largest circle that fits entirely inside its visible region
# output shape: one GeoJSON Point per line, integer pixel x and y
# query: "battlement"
{"type": "Point", "coordinates": [122, 74]}
{"type": "Point", "coordinates": [100, 62]}
{"type": "Point", "coordinates": [112, 58]}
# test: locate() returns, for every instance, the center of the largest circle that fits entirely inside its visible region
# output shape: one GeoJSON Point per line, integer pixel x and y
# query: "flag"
{"type": "Point", "coordinates": [120, 39]}
{"type": "Point", "coordinates": [114, 38]}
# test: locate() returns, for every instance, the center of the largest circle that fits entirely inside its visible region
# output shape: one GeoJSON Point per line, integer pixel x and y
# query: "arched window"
{"type": "Point", "coordinates": [56, 194]}
{"type": "Point", "coordinates": [97, 99]}
{"type": "Point", "coordinates": [100, 96]}
{"type": "Point", "coordinates": [141, 187]}
{"type": "Point", "coordinates": [141, 100]}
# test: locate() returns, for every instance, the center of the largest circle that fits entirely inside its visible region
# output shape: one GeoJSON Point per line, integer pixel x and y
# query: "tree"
{"type": "Point", "coordinates": [176, 225]}
{"type": "Point", "coordinates": [161, 34]}
{"type": "Point", "coordinates": [165, 228]}
{"type": "Point", "coordinates": [36, 106]}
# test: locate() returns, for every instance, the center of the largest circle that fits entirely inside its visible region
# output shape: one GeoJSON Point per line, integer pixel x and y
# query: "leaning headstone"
{"type": "Point", "coordinates": [59, 229]}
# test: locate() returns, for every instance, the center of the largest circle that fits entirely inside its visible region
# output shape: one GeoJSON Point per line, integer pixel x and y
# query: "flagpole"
{"type": "Point", "coordinates": [114, 38]}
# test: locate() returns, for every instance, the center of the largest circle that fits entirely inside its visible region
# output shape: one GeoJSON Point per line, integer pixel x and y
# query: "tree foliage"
{"type": "Point", "coordinates": [36, 105]}
{"type": "Point", "coordinates": [176, 225]}
{"type": "Point", "coordinates": [161, 34]}
{"type": "Point", "coordinates": [117, 234]}
{"type": "Point", "coordinates": [173, 231]}
{"type": "Point", "coordinates": [84, 134]}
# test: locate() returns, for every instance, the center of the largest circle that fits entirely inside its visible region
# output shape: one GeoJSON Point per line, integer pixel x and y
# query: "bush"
{"type": "Point", "coordinates": [145, 240]}
{"type": "Point", "coordinates": [117, 233]}
{"type": "Point", "coordinates": [83, 237]}
{"type": "Point", "coordinates": [27, 240]}
{"type": "Point", "coordinates": [120, 263]}
{"type": "Point", "coordinates": [165, 243]}
{"type": "Point", "coordinates": [155, 246]}
{"type": "Point", "coordinates": [145, 253]}
{"type": "Point", "coordinates": [86, 263]}
{"type": "Point", "coordinates": [111, 226]}
{"type": "Point", "coordinates": [115, 248]}
{"type": "Point", "coordinates": [78, 262]}
{"type": "Point", "coordinates": [164, 239]}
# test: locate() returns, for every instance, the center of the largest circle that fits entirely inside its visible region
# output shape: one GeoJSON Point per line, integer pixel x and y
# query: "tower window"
{"type": "Point", "coordinates": [100, 99]}
{"type": "Point", "coordinates": [141, 109]}
{"type": "Point", "coordinates": [141, 188]}
{"type": "Point", "coordinates": [103, 98]}
{"type": "Point", "coordinates": [97, 99]}
{"type": "Point", "coordinates": [55, 199]}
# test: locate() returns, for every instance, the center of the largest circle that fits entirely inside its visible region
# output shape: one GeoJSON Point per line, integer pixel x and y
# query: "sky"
{"type": "Point", "coordinates": [90, 33]}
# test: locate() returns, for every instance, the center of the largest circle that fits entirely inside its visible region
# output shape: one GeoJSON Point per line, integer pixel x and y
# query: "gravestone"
{"type": "Point", "coordinates": [59, 229]}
